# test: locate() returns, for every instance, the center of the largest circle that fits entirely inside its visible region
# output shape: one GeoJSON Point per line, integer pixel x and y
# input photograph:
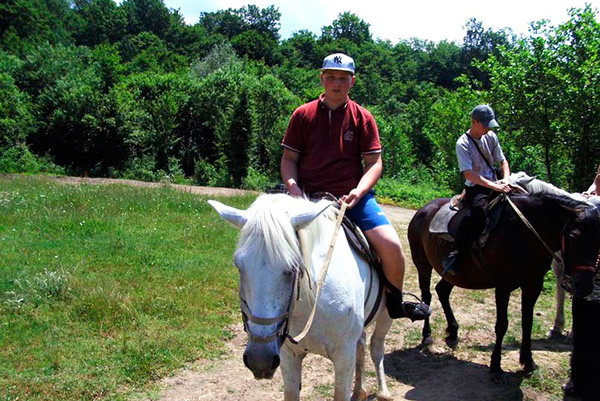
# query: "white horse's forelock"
{"type": "Point", "coordinates": [270, 231]}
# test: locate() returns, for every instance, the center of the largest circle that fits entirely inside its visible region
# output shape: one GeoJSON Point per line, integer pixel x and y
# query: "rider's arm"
{"type": "Point", "coordinates": [289, 171]}
{"type": "Point", "coordinates": [372, 172]}
{"type": "Point", "coordinates": [479, 180]}
{"type": "Point", "coordinates": [505, 168]}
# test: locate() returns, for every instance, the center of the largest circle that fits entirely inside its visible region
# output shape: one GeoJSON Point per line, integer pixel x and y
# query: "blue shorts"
{"type": "Point", "coordinates": [367, 214]}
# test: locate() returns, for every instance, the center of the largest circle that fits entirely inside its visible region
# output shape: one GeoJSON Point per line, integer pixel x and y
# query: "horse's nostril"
{"type": "Point", "coordinates": [246, 360]}
{"type": "Point", "coordinates": [276, 362]}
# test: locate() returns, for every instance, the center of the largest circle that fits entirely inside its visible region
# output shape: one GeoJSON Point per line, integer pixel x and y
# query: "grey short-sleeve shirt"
{"type": "Point", "coordinates": [469, 157]}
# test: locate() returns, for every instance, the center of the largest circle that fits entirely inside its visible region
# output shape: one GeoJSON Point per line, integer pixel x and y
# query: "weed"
{"type": "Point", "coordinates": [43, 287]}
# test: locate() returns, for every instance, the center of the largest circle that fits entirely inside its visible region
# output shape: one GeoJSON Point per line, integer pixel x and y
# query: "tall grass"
{"type": "Point", "coordinates": [105, 288]}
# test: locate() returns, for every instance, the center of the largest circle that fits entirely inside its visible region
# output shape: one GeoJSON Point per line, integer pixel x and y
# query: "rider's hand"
{"type": "Point", "coordinates": [352, 198]}
{"type": "Point", "coordinates": [501, 187]}
{"type": "Point", "coordinates": [295, 190]}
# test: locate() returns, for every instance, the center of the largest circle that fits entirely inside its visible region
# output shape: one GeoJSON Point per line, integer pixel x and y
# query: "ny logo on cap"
{"type": "Point", "coordinates": [337, 59]}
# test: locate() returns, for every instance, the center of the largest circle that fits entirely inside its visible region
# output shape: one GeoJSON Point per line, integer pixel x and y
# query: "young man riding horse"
{"type": "Point", "coordinates": [477, 150]}
{"type": "Point", "coordinates": [325, 144]}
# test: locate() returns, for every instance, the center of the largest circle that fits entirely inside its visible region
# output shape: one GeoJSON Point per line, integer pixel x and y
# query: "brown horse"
{"type": "Point", "coordinates": [512, 258]}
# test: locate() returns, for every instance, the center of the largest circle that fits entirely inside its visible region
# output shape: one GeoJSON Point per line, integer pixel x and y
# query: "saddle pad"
{"type": "Point", "coordinates": [439, 223]}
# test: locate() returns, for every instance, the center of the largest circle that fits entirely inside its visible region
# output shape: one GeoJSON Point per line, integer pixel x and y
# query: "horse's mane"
{"type": "Point", "coordinates": [536, 187]}
{"type": "Point", "coordinates": [269, 229]}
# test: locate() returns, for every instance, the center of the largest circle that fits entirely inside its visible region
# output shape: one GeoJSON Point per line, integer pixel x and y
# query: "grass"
{"type": "Point", "coordinates": [103, 289]}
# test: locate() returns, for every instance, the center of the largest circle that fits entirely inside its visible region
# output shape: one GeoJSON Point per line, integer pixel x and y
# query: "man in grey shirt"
{"type": "Point", "coordinates": [477, 150]}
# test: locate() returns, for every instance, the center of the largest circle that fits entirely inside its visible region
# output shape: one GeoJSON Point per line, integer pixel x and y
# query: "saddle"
{"type": "Point", "coordinates": [446, 221]}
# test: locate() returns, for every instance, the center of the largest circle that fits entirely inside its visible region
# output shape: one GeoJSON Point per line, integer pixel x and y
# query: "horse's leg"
{"type": "Point", "coordinates": [443, 289]}
{"type": "Point", "coordinates": [359, 393]}
{"type": "Point", "coordinates": [377, 347]}
{"type": "Point", "coordinates": [529, 296]}
{"type": "Point", "coordinates": [344, 359]}
{"type": "Point", "coordinates": [559, 320]}
{"type": "Point", "coordinates": [291, 370]}
{"type": "Point", "coordinates": [502, 298]}
{"type": "Point", "coordinates": [425, 270]}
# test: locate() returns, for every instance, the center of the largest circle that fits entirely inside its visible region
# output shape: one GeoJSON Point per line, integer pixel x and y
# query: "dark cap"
{"type": "Point", "coordinates": [485, 115]}
{"type": "Point", "coordinates": [338, 61]}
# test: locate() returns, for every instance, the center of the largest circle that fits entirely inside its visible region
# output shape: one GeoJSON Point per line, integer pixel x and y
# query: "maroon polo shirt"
{"type": "Point", "coordinates": [331, 144]}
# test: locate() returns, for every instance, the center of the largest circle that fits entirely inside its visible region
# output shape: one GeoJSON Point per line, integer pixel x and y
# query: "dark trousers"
{"type": "Point", "coordinates": [476, 200]}
{"type": "Point", "coordinates": [585, 359]}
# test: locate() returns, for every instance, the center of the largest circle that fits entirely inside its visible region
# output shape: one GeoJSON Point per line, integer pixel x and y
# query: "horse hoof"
{"type": "Point", "coordinates": [529, 369]}
{"type": "Point", "coordinates": [361, 396]}
{"type": "Point", "coordinates": [427, 341]}
{"type": "Point", "coordinates": [555, 334]}
{"type": "Point", "coordinates": [452, 342]}
{"type": "Point", "coordinates": [384, 396]}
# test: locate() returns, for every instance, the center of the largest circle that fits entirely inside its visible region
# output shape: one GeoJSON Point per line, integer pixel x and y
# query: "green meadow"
{"type": "Point", "coordinates": [103, 289]}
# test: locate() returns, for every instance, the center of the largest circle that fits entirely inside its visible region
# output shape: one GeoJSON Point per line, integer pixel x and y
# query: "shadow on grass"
{"type": "Point", "coordinates": [443, 377]}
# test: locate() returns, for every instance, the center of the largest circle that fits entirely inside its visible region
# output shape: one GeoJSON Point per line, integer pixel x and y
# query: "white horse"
{"type": "Point", "coordinates": [280, 254]}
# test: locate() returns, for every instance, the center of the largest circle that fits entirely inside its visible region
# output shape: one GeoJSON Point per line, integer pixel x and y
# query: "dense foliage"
{"type": "Point", "coordinates": [130, 90]}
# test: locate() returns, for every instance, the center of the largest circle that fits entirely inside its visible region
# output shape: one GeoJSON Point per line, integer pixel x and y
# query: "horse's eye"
{"type": "Point", "coordinates": [574, 233]}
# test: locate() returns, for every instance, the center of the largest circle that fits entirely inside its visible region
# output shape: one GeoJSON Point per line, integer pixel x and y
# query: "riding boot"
{"type": "Point", "coordinates": [449, 263]}
{"type": "Point", "coordinates": [397, 308]}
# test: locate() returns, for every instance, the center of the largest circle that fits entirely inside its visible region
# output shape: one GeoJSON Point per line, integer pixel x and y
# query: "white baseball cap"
{"type": "Point", "coordinates": [338, 61]}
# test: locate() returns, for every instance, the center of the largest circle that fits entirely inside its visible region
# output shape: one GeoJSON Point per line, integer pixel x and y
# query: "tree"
{"type": "Point", "coordinates": [348, 26]}
{"type": "Point", "coordinates": [301, 50]}
{"type": "Point", "coordinates": [32, 22]}
{"type": "Point", "coordinates": [578, 56]}
{"type": "Point", "coordinates": [253, 32]}
{"type": "Point", "coordinates": [97, 22]}
{"type": "Point", "coordinates": [146, 16]}
{"type": "Point", "coordinates": [479, 44]}
{"type": "Point", "coordinates": [548, 86]}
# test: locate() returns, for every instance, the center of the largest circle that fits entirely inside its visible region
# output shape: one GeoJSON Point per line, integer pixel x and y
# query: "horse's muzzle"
{"type": "Point", "coordinates": [262, 364]}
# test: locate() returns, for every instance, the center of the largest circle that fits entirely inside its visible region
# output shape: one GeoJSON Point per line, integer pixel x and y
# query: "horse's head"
{"type": "Point", "coordinates": [268, 258]}
{"type": "Point", "coordinates": [581, 242]}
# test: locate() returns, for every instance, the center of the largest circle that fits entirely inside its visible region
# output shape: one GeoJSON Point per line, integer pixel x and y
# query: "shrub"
{"type": "Point", "coordinates": [18, 159]}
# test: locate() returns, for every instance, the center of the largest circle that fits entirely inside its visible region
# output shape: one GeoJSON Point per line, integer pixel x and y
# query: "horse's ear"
{"type": "Point", "coordinates": [304, 217]}
{"type": "Point", "coordinates": [235, 216]}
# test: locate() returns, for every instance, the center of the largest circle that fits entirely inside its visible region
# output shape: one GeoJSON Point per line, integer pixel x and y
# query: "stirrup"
{"type": "Point", "coordinates": [397, 308]}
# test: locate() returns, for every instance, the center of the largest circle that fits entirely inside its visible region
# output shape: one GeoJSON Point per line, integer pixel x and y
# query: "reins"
{"type": "Point", "coordinates": [321, 279]}
{"type": "Point", "coordinates": [532, 229]}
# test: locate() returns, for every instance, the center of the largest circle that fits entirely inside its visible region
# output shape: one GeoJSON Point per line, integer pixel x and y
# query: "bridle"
{"type": "Point", "coordinates": [584, 266]}
{"type": "Point", "coordinates": [587, 266]}
{"type": "Point", "coordinates": [281, 331]}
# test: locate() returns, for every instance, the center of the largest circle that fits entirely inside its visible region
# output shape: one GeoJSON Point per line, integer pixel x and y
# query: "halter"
{"type": "Point", "coordinates": [588, 266]}
{"type": "Point", "coordinates": [281, 331]}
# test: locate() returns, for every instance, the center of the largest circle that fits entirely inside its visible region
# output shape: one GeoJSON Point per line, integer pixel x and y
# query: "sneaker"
{"type": "Point", "coordinates": [450, 263]}
{"type": "Point", "coordinates": [412, 310]}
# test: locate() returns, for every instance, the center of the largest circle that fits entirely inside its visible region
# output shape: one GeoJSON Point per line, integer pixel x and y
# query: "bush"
{"type": "Point", "coordinates": [258, 181]}
{"type": "Point", "coordinates": [18, 159]}
{"type": "Point", "coordinates": [407, 194]}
